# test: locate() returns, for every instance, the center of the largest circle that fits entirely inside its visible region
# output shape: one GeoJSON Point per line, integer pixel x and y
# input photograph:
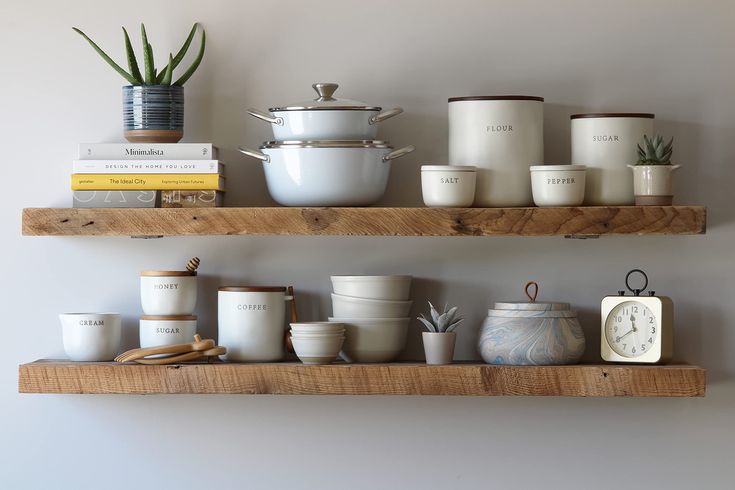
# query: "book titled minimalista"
{"type": "Point", "coordinates": [147, 151]}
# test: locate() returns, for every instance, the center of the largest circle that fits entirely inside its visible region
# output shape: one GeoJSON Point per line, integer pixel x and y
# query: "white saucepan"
{"type": "Point", "coordinates": [325, 118]}
{"type": "Point", "coordinates": [326, 173]}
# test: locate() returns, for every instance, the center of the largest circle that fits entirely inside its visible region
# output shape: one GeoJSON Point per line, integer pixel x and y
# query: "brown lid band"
{"type": "Point", "coordinates": [641, 115]}
{"type": "Point", "coordinates": [169, 317]}
{"type": "Point", "coordinates": [253, 289]}
{"type": "Point", "coordinates": [496, 97]}
{"type": "Point", "coordinates": [168, 273]}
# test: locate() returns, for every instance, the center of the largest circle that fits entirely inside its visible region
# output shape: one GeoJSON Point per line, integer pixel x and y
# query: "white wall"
{"type": "Point", "coordinates": [670, 57]}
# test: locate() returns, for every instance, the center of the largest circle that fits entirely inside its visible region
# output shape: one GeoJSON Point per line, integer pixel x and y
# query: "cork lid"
{"type": "Point", "coordinates": [253, 289]}
{"type": "Point", "coordinates": [169, 317]}
{"type": "Point", "coordinates": [640, 115]}
{"type": "Point", "coordinates": [168, 273]}
{"type": "Point", "coordinates": [495, 97]}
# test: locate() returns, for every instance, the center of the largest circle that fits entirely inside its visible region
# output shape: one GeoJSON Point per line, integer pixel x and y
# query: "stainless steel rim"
{"type": "Point", "coordinates": [326, 144]}
{"type": "Point", "coordinates": [322, 108]}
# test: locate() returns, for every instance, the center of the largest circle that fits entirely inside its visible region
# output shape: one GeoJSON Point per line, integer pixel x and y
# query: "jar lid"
{"type": "Point", "coordinates": [169, 317]}
{"type": "Point", "coordinates": [531, 291]}
{"type": "Point", "coordinates": [590, 115]}
{"type": "Point", "coordinates": [532, 314]}
{"type": "Point", "coordinates": [253, 289]}
{"type": "Point", "coordinates": [448, 168]}
{"type": "Point", "coordinates": [326, 144]}
{"type": "Point", "coordinates": [566, 168]}
{"type": "Point", "coordinates": [496, 97]}
{"type": "Point", "coordinates": [168, 273]}
{"type": "Point", "coordinates": [325, 101]}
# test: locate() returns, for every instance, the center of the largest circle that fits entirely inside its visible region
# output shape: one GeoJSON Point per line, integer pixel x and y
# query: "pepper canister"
{"type": "Point", "coordinates": [606, 144]}
{"type": "Point", "coordinates": [502, 136]}
{"type": "Point", "coordinates": [531, 333]}
{"type": "Point", "coordinates": [252, 322]}
{"type": "Point", "coordinates": [168, 292]}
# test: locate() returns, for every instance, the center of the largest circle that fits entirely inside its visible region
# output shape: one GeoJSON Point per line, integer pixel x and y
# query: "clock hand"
{"type": "Point", "coordinates": [628, 333]}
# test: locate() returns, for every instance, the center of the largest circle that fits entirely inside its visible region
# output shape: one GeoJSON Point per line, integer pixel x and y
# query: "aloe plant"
{"type": "Point", "coordinates": [443, 322]}
{"type": "Point", "coordinates": [149, 75]}
{"type": "Point", "coordinates": [654, 151]}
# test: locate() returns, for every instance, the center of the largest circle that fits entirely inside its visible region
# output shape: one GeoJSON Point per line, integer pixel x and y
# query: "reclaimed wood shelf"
{"type": "Point", "coordinates": [461, 379]}
{"type": "Point", "coordinates": [589, 221]}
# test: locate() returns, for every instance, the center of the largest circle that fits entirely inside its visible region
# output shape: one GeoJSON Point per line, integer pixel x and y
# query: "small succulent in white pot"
{"type": "Point", "coordinates": [440, 339]}
{"type": "Point", "coordinates": [652, 180]}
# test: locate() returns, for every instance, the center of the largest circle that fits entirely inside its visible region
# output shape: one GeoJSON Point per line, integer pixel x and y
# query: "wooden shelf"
{"type": "Point", "coordinates": [465, 379]}
{"type": "Point", "coordinates": [572, 221]}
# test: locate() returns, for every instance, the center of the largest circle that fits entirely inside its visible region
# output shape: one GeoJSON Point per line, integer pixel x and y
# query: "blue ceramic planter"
{"type": "Point", "coordinates": [153, 113]}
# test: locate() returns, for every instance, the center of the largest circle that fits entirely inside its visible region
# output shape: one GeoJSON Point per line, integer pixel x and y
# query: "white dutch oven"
{"type": "Point", "coordinates": [502, 136]}
{"type": "Point", "coordinates": [325, 118]}
{"type": "Point", "coordinates": [606, 144]}
{"type": "Point", "coordinates": [326, 173]}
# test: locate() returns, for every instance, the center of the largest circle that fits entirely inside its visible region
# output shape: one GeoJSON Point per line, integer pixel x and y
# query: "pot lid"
{"type": "Point", "coordinates": [532, 314]}
{"type": "Point", "coordinates": [448, 168]}
{"type": "Point", "coordinates": [541, 168]}
{"type": "Point", "coordinates": [326, 101]}
{"type": "Point", "coordinates": [326, 144]}
{"type": "Point", "coordinates": [531, 305]}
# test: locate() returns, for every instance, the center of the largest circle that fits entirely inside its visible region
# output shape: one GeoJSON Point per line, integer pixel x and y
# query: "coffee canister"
{"type": "Point", "coordinates": [252, 322]}
{"type": "Point", "coordinates": [606, 144]}
{"type": "Point", "coordinates": [502, 136]}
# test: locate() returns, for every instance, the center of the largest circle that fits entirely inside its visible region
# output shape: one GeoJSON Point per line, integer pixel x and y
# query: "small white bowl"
{"type": "Point", "coordinates": [317, 351]}
{"type": "Point", "coordinates": [317, 327]}
{"type": "Point", "coordinates": [448, 186]}
{"type": "Point", "coordinates": [558, 185]}
{"type": "Point", "coordinates": [392, 288]}
{"type": "Point", "coordinates": [374, 339]}
{"type": "Point", "coordinates": [352, 307]}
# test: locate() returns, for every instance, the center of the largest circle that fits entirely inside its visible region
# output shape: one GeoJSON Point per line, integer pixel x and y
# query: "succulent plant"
{"type": "Point", "coordinates": [441, 322]}
{"type": "Point", "coordinates": [150, 76]}
{"type": "Point", "coordinates": [654, 151]}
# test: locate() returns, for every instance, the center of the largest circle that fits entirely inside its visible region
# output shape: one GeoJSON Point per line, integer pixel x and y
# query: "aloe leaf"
{"type": "Point", "coordinates": [434, 314]}
{"type": "Point", "coordinates": [454, 325]}
{"type": "Point", "coordinates": [427, 323]}
{"type": "Point", "coordinates": [147, 57]}
{"type": "Point", "coordinates": [195, 64]}
{"type": "Point", "coordinates": [166, 80]}
{"type": "Point", "coordinates": [182, 52]}
{"type": "Point", "coordinates": [132, 61]}
{"type": "Point", "coordinates": [127, 76]}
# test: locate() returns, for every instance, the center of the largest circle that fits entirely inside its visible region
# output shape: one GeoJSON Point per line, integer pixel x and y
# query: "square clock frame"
{"type": "Point", "coordinates": [662, 308]}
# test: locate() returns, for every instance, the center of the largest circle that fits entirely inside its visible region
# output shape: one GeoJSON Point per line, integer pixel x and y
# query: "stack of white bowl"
{"type": "Point", "coordinates": [317, 342]}
{"type": "Point", "coordinates": [374, 311]}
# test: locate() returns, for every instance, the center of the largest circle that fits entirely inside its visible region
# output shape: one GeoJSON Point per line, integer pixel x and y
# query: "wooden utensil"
{"type": "Point", "coordinates": [177, 353]}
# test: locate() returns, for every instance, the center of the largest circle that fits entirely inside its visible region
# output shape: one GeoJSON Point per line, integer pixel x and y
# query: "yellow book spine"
{"type": "Point", "coordinates": [147, 182]}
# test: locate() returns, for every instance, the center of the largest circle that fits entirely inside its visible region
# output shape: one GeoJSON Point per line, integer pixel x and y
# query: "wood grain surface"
{"type": "Point", "coordinates": [462, 379]}
{"type": "Point", "coordinates": [574, 221]}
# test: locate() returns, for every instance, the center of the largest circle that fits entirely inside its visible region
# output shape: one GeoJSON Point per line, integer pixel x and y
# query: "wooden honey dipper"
{"type": "Point", "coordinates": [173, 354]}
{"type": "Point", "coordinates": [193, 264]}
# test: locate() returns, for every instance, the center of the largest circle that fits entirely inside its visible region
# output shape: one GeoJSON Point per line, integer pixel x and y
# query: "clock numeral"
{"type": "Point", "coordinates": [615, 328]}
{"type": "Point", "coordinates": [617, 340]}
{"type": "Point", "coordinates": [650, 340]}
{"type": "Point", "coordinates": [653, 330]}
{"type": "Point", "coordinates": [635, 309]}
{"type": "Point", "coordinates": [650, 319]}
{"type": "Point", "coordinates": [643, 347]}
{"type": "Point", "coordinates": [633, 351]}
{"type": "Point", "coordinates": [624, 346]}
{"type": "Point", "coordinates": [618, 319]}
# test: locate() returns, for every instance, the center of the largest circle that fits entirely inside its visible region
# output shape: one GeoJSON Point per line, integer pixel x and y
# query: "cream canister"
{"type": "Point", "coordinates": [252, 322]}
{"type": "Point", "coordinates": [606, 144]}
{"type": "Point", "coordinates": [168, 292]}
{"type": "Point", "coordinates": [502, 136]}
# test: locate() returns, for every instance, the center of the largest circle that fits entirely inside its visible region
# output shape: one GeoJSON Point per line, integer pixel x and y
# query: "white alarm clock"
{"type": "Point", "coordinates": [637, 329]}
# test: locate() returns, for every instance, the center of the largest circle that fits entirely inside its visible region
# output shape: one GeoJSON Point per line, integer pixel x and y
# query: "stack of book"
{"type": "Point", "coordinates": [140, 175]}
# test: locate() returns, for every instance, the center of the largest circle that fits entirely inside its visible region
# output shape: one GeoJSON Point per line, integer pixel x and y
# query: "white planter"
{"type": "Point", "coordinates": [502, 136]}
{"type": "Point", "coordinates": [448, 186]}
{"type": "Point", "coordinates": [558, 185]}
{"type": "Point", "coordinates": [252, 323]}
{"type": "Point", "coordinates": [606, 143]}
{"type": "Point", "coordinates": [439, 347]}
{"type": "Point", "coordinates": [652, 184]}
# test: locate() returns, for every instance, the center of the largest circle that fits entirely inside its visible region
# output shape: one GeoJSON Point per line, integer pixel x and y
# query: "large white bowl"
{"type": "Point", "coordinates": [395, 288]}
{"type": "Point", "coordinates": [351, 307]}
{"type": "Point", "coordinates": [317, 328]}
{"type": "Point", "coordinates": [373, 340]}
{"type": "Point", "coordinates": [317, 350]}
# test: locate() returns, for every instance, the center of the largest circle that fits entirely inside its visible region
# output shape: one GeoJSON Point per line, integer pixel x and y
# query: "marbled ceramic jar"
{"type": "Point", "coordinates": [531, 334]}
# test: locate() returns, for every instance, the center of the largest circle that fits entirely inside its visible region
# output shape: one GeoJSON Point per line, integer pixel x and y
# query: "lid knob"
{"type": "Point", "coordinates": [532, 295]}
{"type": "Point", "coordinates": [325, 91]}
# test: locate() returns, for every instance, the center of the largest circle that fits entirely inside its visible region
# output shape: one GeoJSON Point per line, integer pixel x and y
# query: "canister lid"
{"type": "Point", "coordinates": [641, 115]}
{"type": "Point", "coordinates": [169, 317]}
{"type": "Point", "coordinates": [532, 314]}
{"type": "Point", "coordinates": [325, 101]}
{"type": "Point", "coordinates": [567, 168]}
{"type": "Point", "coordinates": [448, 168]}
{"type": "Point", "coordinates": [168, 273]}
{"type": "Point", "coordinates": [253, 289]}
{"type": "Point", "coordinates": [496, 97]}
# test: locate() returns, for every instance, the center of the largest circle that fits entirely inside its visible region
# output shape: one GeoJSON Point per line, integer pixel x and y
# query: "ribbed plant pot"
{"type": "Point", "coordinates": [439, 347]}
{"type": "Point", "coordinates": [153, 113]}
{"type": "Point", "coordinates": [653, 184]}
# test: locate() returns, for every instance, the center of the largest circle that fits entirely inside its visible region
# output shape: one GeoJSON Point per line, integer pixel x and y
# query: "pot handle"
{"type": "Point", "coordinates": [385, 115]}
{"type": "Point", "coordinates": [294, 318]}
{"type": "Point", "coordinates": [266, 116]}
{"type": "Point", "coordinates": [398, 153]}
{"type": "Point", "coordinates": [254, 154]}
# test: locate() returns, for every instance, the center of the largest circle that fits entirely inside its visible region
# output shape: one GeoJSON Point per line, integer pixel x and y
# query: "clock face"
{"type": "Point", "coordinates": [631, 329]}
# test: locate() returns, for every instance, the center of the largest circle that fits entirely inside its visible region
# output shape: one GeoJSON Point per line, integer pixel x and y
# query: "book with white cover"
{"type": "Point", "coordinates": [147, 167]}
{"type": "Point", "coordinates": [147, 151]}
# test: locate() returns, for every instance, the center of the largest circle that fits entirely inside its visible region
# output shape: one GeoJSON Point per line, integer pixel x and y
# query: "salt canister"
{"type": "Point", "coordinates": [606, 144]}
{"type": "Point", "coordinates": [531, 333]}
{"type": "Point", "coordinates": [502, 136]}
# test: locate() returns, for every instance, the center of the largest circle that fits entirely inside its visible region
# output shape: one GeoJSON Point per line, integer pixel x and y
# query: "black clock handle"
{"type": "Point", "coordinates": [636, 292]}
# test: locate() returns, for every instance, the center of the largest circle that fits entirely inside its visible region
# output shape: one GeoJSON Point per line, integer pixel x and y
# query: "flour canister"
{"type": "Point", "coordinates": [502, 136]}
{"type": "Point", "coordinates": [252, 322]}
{"type": "Point", "coordinates": [606, 144]}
